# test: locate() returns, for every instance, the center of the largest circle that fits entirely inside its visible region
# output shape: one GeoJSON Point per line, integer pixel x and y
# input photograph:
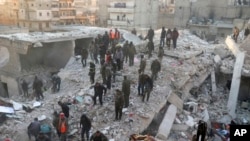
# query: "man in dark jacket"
{"type": "Point", "coordinates": [37, 88]}
{"type": "Point", "coordinates": [148, 87]}
{"type": "Point", "coordinates": [108, 76]}
{"type": "Point", "coordinates": [141, 82]}
{"type": "Point", "coordinates": [126, 91]}
{"type": "Point", "coordinates": [155, 68]}
{"type": "Point", "coordinates": [125, 51]}
{"type": "Point", "coordinates": [65, 108]}
{"type": "Point", "coordinates": [98, 136]}
{"type": "Point", "coordinates": [24, 85]}
{"type": "Point", "coordinates": [92, 72]}
{"type": "Point", "coordinates": [150, 34]}
{"type": "Point", "coordinates": [163, 35]}
{"type": "Point", "coordinates": [143, 64]}
{"type": "Point", "coordinates": [103, 71]}
{"type": "Point", "coordinates": [56, 80]}
{"type": "Point", "coordinates": [160, 53]}
{"type": "Point", "coordinates": [84, 54]}
{"type": "Point", "coordinates": [247, 32]}
{"type": "Point", "coordinates": [201, 131]}
{"type": "Point", "coordinates": [175, 35]}
{"type": "Point", "coordinates": [150, 47]}
{"type": "Point", "coordinates": [106, 40]}
{"type": "Point", "coordinates": [85, 124]}
{"type": "Point", "coordinates": [34, 128]}
{"type": "Point", "coordinates": [119, 103]}
{"type": "Point", "coordinates": [99, 90]}
{"type": "Point", "coordinates": [131, 53]}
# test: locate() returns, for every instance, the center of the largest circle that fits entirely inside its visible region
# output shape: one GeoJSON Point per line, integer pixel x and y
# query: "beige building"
{"type": "Point", "coordinates": [9, 12]}
{"type": "Point", "coordinates": [86, 11]}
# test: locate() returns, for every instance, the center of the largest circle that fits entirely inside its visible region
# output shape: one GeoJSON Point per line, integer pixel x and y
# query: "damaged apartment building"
{"type": "Point", "coordinates": [34, 54]}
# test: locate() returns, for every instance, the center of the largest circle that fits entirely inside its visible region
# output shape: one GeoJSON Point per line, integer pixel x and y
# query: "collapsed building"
{"type": "Point", "coordinates": [194, 77]}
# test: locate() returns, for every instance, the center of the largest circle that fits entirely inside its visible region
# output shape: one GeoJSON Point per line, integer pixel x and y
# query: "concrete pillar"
{"type": "Point", "coordinates": [235, 85]}
{"type": "Point", "coordinates": [167, 123]}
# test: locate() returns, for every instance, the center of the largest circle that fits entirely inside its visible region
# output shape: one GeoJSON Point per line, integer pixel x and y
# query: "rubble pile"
{"type": "Point", "coordinates": [182, 69]}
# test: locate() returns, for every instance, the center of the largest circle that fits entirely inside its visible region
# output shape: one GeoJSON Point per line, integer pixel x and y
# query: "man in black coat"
{"type": "Point", "coordinates": [163, 35]}
{"type": "Point", "coordinates": [148, 87]}
{"type": "Point", "coordinates": [25, 88]}
{"type": "Point", "coordinates": [65, 108]}
{"type": "Point", "coordinates": [150, 34]}
{"type": "Point", "coordinates": [99, 89]}
{"type": "Point", "coordinates": [37, 88]}
{"type": "Point", "coordinates": [85, 124]}
{"type": "Point", "coordinates": [34, 128]}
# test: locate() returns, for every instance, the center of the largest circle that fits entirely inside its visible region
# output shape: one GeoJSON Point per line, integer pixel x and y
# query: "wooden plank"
{"type": "Point", "coordinates": [235, 85]}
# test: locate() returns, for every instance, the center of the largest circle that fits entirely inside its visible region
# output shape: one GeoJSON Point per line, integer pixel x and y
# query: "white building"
{"type": "Point", "coordinates": [133, 13]}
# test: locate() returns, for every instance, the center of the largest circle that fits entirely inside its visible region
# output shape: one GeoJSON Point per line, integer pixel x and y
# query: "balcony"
{"type": "Point", "coordinates": [120, 23]}
{"type": "Point", "coordinates": [121, 10]}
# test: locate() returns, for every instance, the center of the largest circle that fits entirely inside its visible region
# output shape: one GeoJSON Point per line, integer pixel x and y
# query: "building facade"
{"type": "Point", "coordinates": [130, 14]}
{"type": "Point", "coordinates": [9, 12]}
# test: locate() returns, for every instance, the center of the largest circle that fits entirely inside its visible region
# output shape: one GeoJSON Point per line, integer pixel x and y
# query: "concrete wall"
{"type": "Point", "coordinates": [55, 54]}
{"type": "Point", "coordinates": [11, 84]}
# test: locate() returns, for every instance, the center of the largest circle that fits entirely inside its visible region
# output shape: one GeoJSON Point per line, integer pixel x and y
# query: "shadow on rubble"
{"type": "Point", "coordinates": [153, 127]}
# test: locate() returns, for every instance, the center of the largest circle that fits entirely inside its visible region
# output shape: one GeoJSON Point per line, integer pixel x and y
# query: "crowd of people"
{"type": "Point", "coordinates": [107, 51]}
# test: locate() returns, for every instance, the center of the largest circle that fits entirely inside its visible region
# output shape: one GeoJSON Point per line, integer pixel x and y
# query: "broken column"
{"type": "Point", "coordinates": [167, 122]}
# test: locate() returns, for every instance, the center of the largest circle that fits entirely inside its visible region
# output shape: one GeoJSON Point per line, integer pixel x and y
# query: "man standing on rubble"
{"type": "Point", "coordinates": [65, 108]}
{"type": "Point", "coordinates": [92, 72]}
{"type": "Point", "coordinates": [150, 34]}
{"type": "Point", "coordinates": [24, 85]}
{"type": "Point", "coordinates": [175, 35]}
{"type": "Point", "coordinates": [168, 38]}
{"type": "Point", "coordinates": [148, 84]}
{"type": "Point", "coordinates": [85, 124]}
{"type": "Point", "coordinates": [201, 131]}
{"type": "Point", "coordinates": [119, 57]}
{"type": "Point", "coordinates": [56, 80]}
{"type": "Point", "coordinates": [143, 64]}
{"type": "Point", "coordinates": [131, 53]}
{"type": "Point", "coordinates": [34, 128]}
{"type": "Point", "coordinates": [141, 81]}
{"type": "Point", "coordinates": [163, 35]}
{"type": "Point", "coordinates": [119, 103]}
{"type": "Point", "coordinates": [125, 51]}
{"type": "Point", "coordinates": [126, 91]}
{"type": "Point", "coordinates": [150, 47]}
{"type": "Point", "coordinates": [155, 68]}
{"type": "Point", "coordinates": [99, 90]}
{"type": "Point", "coordinates": [108, 76]}
{"type": "Point", "coordinates": [84, 54]}
{"type": "Point", "coordinates": [247, 32]}
{"type": "Point", "coordinates": [160, 53]}
{"type": "Point", "coordinates": [63, 127]}
{"type": "Point", "coordinates": [103, 71]}
{"type": "Point", "coordinates": [37, 88]}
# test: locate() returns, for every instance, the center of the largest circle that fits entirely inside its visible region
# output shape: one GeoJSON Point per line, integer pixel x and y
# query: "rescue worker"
{"type": "Point", "coordinates": [150, 47]}
{"type": "Point", "coordinates": [148, 84]}
{"type": "Point", "coordinates": [55, 122]}
{"type": "Point", "coordinates": [84, 54]}
{"type": "Point", "coordinates": [34, 128]}
{"type": "Point", "coordinates": [105, 39]}
{"type": "Point", "coordinates": [150, 34]}
{"type": "Point", "coordinates": [56, 81]}
{"type": "Point", "coordinates": [160, 53]}
{"type": "Point", "coordinates": [111, 37]}
{"type": "Point", "coordinates": [98, 136]}
{"type": "Point", "coordinates": [25, 88]}
{"type": "Point", "coordinates": [126, 91]}
{"type": "Point", "coordinates": [175, 35]}
{"type": "Point", "coordinates": [117, 35]}
{"type": "Point", "coordinates": [108, 76]}
{"type": "Point", "coordinates": [143, 64]}
{"type": "Point", "coordinates": [119, 103]}
{"type": "Point", "coordinates": [163, 35]}
{"type": "Point", "coordinates": [92, 72]}
{"type": "Point", "coordinates": [168, 37]}
{"type": "Point", "coordinates": [201, 131]}
{"type": "Point", "coordinates": [65, 108]}
{"type": "Point", "coordinates": [85, 124]}
{"type": "Point", "coordinates": [141, 81]}
{"type": "Point", "coordinates": [155, 68]}
{"type": "Point", "coordinates": [119, 57]}
{"type": "Point", "coordinates": [46, 130]}
{"type": "Point", "coordinates": [125, 51]}
{"type": "Point", "coordinates": [131, 53]}
{"type": "Point", "coordinates": [63, 127]}
{"type": "Point", "coordinates": [98, 92]}
{"type": "Point", "coordinates": [37, 88]}
{"type": "Point", "coordinates": [236, 32]}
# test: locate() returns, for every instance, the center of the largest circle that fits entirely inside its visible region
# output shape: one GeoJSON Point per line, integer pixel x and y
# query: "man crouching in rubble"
{"type": "Point", "coordinates": [34, 128]}
{"type": "Point", "coordinates": [98, 136]}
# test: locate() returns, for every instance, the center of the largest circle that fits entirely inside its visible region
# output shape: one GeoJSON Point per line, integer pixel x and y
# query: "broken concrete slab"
{"type": "Point", "coordinates": [183, 55]}
{"type": "Point", "coordinates": [213, 82]}
{"type": "Point", "coordinates": [217, 59]}
{"type": "Point", "coordinates": [7, 110]}
{"type": "Point", "coordinates": [232, 46]}
{"type": "Point", "coordinates": [175, 100]}
{"type": "Point", "coordinates": [167, 122]}
{"type": "Point", "coordinates": [235, 85]}
{"type": "Point", "coordinates": [180, 127]}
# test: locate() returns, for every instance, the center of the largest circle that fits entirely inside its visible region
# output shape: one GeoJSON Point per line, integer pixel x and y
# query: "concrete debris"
{"type": "Point", "coordinates": [8, 110]}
